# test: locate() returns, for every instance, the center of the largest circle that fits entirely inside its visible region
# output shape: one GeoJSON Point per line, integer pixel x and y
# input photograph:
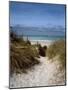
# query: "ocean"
{"type": "Point", "coordinates": [43, 37]}
{"type": "Point", "coordinates": [36, 33]}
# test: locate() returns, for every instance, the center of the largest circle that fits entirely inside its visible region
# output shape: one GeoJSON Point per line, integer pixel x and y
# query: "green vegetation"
{"type": "Point", "coordinates": [57, 49]}
{"type": "Point", "coordinates": [22, 54]}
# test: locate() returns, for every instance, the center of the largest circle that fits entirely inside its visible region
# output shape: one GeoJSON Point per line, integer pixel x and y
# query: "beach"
{"type": "Point", "coordinates": [37, 45]}
{"type": "Point", "coordinates": [47, 73]}
{"type": "Point", "coordinates": [42, 42]}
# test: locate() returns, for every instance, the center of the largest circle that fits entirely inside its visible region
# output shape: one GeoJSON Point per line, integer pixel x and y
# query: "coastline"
{"type": "Point", "coordinates": [42, 42]}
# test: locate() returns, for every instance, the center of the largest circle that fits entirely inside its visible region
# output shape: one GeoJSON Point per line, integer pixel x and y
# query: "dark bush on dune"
{"type": "Point", "coordinates": [45, 47]}
{"type": "Point", "coordinates": [41, 51]}
{"type": "Point", "coordinates": [22, 55]}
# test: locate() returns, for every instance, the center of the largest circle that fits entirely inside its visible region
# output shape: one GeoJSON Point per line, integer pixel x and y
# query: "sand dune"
{"type": "Point", "coordinates": [45, 74]}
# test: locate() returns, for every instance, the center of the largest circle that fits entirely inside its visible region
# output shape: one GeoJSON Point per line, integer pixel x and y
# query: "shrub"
{"type": "Point", "coordinates": [45, 47]}
{"type": "Point", "coordinates": [41, 51]}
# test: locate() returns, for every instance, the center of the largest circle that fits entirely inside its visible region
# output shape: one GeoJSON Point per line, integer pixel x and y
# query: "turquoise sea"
{"type": "Point", "coordinates": [42, 37]}
{"type": "Point", "coordinates": [33, 33]}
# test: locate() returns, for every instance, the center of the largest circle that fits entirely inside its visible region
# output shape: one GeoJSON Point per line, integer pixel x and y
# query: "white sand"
{"type": "Point", "coordinates": [42, 42]}
{"type": "Point", "coordinates": [45, 74]}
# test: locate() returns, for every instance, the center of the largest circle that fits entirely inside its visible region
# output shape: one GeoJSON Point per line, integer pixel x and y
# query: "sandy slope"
{"type": "Point", "coordinates": [45, 74]}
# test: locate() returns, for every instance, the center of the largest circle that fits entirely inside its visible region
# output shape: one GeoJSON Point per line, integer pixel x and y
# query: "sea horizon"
{"type": "Point", "coordinates": [37, 33]}
{"type": "Point", "coordinates": [42, 37]}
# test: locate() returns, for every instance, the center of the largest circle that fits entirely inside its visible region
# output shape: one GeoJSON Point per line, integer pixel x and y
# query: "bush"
{"type": "Point", "coordinates": [45, 47]}
{"type": "Point", "coordinates": [41, 51]}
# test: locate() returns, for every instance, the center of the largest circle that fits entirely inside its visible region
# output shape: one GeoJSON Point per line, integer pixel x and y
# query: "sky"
{"type": "Point", "coordinates": [36, 14]}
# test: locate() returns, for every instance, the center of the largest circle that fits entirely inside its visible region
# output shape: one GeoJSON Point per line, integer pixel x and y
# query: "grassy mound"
{"type": "Point", "coordinates": [22, 55]}
{"type": "Point", "coordinates": [57, 49]}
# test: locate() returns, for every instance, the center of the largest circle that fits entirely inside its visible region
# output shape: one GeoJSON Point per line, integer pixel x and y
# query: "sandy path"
{"type": "Point", "coordinates": [45, 74]}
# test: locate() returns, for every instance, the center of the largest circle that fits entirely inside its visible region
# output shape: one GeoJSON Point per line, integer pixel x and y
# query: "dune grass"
{"type": "Point", "coordinates": [57, 49]}
{"type": "Point", "coordinates": [22, 55]}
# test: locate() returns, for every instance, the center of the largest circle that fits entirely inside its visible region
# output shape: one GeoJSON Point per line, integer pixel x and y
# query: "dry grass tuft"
{"type": "Point", "coordinates": [57, 49]}
{"type": "Point", "coordinates": [22, 55]}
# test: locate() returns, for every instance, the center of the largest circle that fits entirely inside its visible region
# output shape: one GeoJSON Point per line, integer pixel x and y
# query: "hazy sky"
{"type": "Point", "coordinates": [33, 14]}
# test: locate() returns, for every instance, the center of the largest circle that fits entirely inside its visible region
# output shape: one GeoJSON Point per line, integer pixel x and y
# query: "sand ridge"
{"type": "Point", "coordinates": [45, 74]}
